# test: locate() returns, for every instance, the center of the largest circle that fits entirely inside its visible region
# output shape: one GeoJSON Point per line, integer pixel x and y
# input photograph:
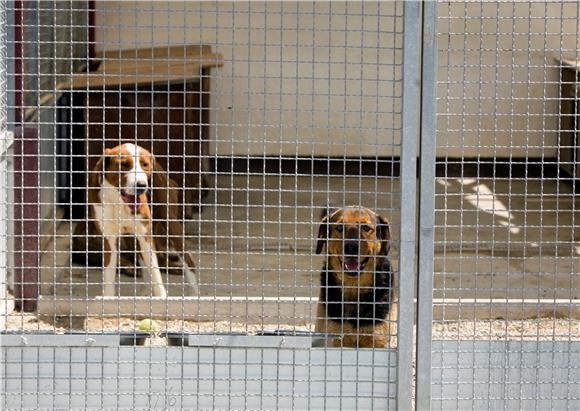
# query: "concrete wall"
{"type": "Point", "coordinates": [499, 81]}
{"type": "Point", "coordinates": [319, 78]}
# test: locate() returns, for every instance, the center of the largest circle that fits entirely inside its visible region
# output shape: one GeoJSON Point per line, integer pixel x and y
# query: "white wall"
{"type": "Point", "coordinates": [498, 78]}
{"type": "Point", "coordinates": [318, 78]}
{"type": "Point", "coordinates": [312, 96]}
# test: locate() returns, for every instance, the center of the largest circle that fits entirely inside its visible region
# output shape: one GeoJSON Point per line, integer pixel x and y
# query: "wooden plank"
{"type": "Point", "coordinates": [150, 65]}
{"type": "Point", "coordinates": [171, 52]}
{"type": "Point", "coordinates": [134, 74]}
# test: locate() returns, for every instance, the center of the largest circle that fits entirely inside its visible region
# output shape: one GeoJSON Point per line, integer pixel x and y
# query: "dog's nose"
{"type": "Point", "coordinates": [351, 248]}
{"type": "Point", "coordinates": [140, 187]}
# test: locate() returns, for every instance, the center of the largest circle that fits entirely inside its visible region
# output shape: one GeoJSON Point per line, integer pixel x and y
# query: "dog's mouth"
{"type": "Point", "coordinates": [132, 201]}
{"type": "Point", "coordinates": [351, 265]}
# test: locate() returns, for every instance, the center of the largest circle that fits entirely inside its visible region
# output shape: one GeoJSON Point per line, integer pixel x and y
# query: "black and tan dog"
{"type": "Point", "coordinates": [356, 295]}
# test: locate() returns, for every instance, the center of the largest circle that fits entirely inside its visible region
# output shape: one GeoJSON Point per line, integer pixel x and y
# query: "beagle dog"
{"type": "Point", "coordinates": [133, 209]}
{"type": "Point", "coordinates": [356, 293]}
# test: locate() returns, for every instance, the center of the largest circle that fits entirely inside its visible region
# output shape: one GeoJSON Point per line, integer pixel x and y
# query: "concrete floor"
{"type": "Point", "coordinates": [256, 237]}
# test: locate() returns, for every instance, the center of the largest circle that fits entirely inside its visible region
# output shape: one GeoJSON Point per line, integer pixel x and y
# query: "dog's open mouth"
{"type": "Point", "coordinates": [351, 265]}
{"type": "Point", "coordinates": [132, 201]}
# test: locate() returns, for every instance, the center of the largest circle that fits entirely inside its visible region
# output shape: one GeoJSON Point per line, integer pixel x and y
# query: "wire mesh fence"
{"type": "Point", "coordinates": [216, 205]}
{"type": "Point", "coordinates": [207, 205]}
{"type": "Point", "coordinates": [506, 282]}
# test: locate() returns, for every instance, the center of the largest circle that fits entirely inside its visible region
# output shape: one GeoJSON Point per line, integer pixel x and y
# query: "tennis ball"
{"type": "Point", "coordinates": [148, 325]}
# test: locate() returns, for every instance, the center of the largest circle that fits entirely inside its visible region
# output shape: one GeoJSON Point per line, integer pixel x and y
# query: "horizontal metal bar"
{"type": "Point", "coordinates": [62, 340]}
{"type": "Point", "coordinates": [249, 341]}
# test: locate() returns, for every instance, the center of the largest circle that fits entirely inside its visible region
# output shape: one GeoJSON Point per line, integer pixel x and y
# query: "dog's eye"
{"type": "Point", "coordinates": [366, 227]}
{"type": "Point", "coordinates": [125, 165]}
{"type": "Point", "coordinates": [338, 228]}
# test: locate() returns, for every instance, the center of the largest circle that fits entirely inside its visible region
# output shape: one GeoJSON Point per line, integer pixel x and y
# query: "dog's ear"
{"type": "Point", "coordinates": [328, 211]}
{"type": "Point", "coordinates": [107, 156]}
{"type": "Point", "coordinates": [384, 234]}
{"type": "Point", "coordinates": [164, 190]}
{"type": "Point", "coordinates": [322, 234]}
{"type": "Point", "coordinates": [98, 171]}
{"type": "Point", "coordinates": [153, 169]}
{"type": "Point", "coordinates": [154, 164]}
{"type": "Point", "coordinates": [160, 179]}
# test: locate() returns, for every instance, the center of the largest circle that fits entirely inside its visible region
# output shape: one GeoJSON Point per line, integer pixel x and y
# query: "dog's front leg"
{"type": "Point", "coordinates": [189, 273]}
{"type": "Point", "coordinates": [110, 260]}
{"type": "Point", "coordinates": [149, 256]}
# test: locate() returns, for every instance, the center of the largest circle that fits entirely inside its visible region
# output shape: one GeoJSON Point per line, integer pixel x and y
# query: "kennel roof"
{"type": "Point", "coordinates": [150, 65]}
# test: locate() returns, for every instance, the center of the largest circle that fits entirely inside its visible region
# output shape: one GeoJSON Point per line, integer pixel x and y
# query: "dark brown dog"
{"type": "Point", "coordinates": [356, 294]}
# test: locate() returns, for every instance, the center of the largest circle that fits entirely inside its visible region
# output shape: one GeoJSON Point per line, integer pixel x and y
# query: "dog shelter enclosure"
{"type": "Point", "coordinates": [455, 121]}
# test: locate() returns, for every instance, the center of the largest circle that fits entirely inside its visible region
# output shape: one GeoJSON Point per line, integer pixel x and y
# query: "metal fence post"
{"type": "Point", "coordinates": [411, 47]}
{"type": "Point", "coordinates": [426, 206]}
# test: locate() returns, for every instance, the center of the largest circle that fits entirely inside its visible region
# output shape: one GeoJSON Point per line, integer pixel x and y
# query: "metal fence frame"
{"type": "Point", "coordinates": [411, 59]}
{"type": "Point", "coordinates": [426, 222]}
{"type": "Point", "coordinates": [94, 361]}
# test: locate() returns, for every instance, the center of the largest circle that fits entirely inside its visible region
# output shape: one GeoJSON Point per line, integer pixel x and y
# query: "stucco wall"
{"type": "Point", "coordinates": [322, 78]}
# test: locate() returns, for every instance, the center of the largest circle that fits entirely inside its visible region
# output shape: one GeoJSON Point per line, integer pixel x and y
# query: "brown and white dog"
{"type": "Point", "coordinates": [129, 194]}
{"type": "Point", "coordinates": [356, 282]}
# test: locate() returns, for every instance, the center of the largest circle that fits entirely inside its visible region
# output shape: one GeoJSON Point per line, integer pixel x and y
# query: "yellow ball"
{"type": "Point", "coordinates": [147, 325]}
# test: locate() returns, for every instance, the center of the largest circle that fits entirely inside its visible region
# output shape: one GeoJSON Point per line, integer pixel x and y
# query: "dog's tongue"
{"type": "Point", "coordinates": [133, 202]}
{"type": "Point", "coordinates": [351, 265]}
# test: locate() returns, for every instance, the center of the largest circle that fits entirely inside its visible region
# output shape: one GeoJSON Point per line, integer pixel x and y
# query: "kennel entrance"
{"type": "Point", "coordinates": [160, 95]}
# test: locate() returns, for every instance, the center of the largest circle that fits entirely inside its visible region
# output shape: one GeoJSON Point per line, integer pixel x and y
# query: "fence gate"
{"type": "Point", "coordinates": [501, 311]}
{"type": "Point", "coordinates": [190, 279]}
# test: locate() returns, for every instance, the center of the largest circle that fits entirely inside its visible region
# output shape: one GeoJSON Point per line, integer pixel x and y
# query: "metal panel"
{"type": "Point", "coordinates": [507, 375]}
{"type": "Point", "coordinates": [129, 378]}
{"type": "Point", "coordinates": [249, 341]}
{"type": "Point", "coordinates": [506, 286]}
{"type": "Point", "coordinates": [73, 339]}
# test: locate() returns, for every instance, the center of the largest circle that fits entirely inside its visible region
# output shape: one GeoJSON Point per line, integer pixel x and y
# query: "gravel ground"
{"type": "Point", "coordinates": [543, 329]}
